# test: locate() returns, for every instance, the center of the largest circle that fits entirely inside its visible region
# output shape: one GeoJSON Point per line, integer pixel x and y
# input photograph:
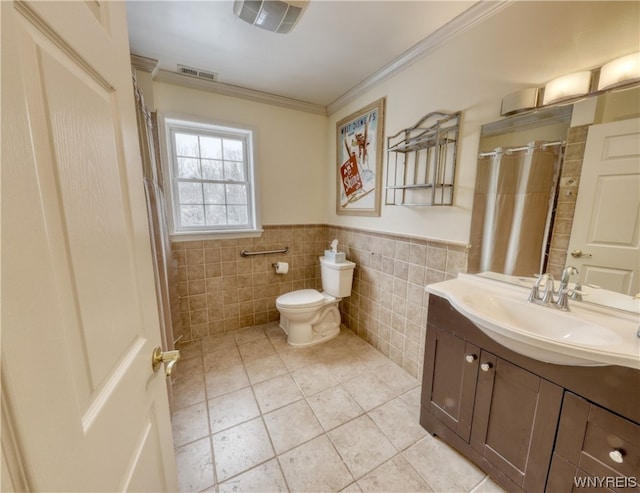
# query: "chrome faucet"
{"type": "Point", "coordinates": [547, 298]}
{"type": "Point", "coordinates": [577, 293]}
{"type": "Point", "coordinates": [563, 290]}
{"type": "Point", "coordinates": [547, 294]}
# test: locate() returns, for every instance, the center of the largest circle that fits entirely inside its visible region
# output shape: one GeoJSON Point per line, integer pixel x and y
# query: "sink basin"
{"type": "Point", "coordinates": [584, 336]}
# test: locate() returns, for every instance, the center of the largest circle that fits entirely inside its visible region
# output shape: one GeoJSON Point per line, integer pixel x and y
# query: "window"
{"type": "Point", "coordinates": [212, 178]}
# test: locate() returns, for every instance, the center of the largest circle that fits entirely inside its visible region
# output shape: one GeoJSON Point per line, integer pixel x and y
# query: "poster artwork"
{"type": "Point", "coordinates": [351, 180]}
{"type": "Point", "coordinates": [358, 179]}
{"type": "Point", "coordinates": [359, 160]}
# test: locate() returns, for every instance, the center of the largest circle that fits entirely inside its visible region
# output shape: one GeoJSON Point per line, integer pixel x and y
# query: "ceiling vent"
{"type": "Point", "coordinates": [196, 72]}
{"type": "Point", "coordinates": [273, 15]}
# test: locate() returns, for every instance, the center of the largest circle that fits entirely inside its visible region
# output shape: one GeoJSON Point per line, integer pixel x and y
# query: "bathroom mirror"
{"type": "Point", "coordinates": [518, 171]}
{"type": "Point", "coordinates": [524, 203]}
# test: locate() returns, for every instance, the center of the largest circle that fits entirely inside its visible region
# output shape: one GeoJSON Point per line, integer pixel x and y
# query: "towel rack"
{"type": "Point", "coordinates": [244, 253]}
{"type": "Point", "coordinates": [421, 161]}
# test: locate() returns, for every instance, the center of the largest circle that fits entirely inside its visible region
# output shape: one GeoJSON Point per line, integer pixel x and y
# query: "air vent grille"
{"type": "Point", "coordinates": [272, 15]}
{"type": "Point", "coordinates": [196, 72]}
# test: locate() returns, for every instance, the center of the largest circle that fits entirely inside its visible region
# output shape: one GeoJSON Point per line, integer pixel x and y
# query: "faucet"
{"type": "Point", "coordinates": [547, 298]}
{"type": "Point", "coordinates": [576, 292]}
{"type": "Point", "coordinates": [547, 295]}
{"type": "Point", "coordinates": [563, 290]}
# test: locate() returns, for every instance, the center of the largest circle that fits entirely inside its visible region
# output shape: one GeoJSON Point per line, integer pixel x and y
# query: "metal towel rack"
{"type": "Point", "coordinates": [244, 253]}
{"type": "Point", "coordinates": [421, 161]}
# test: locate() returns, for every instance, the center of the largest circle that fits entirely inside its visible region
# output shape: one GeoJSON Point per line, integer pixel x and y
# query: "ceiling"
{"type": "Point", "coordinates": [336, 46]}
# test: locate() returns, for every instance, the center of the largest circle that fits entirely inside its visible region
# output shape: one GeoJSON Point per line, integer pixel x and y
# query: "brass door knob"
{"type": "Point", "coordinates": [168, 358]}
{"type": "Point", "coordinates": [579, 253]}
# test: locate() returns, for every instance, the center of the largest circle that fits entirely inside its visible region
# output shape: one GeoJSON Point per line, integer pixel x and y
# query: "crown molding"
{"type": "Point", "coordinates": [478, 13]}
{"type": "Point", "coordinates": [238, 92]}
{"type": "Point", "coordinates": [145, 64]}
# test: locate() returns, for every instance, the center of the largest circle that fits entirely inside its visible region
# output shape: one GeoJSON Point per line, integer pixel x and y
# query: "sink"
{"type": "Point", "coordinates": [584, 336]}
{"type": "Point", "coordinates": [530, 317]}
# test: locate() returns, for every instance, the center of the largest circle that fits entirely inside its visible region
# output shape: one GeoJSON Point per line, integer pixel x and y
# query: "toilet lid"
{"type": "Point", "coordinates": [302, 298]}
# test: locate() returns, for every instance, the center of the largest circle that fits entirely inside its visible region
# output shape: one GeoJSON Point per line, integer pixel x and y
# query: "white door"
{"type": "Point", "coordinates": [79, 313]}
{"type": "Point", "coordinates": [605, 238]}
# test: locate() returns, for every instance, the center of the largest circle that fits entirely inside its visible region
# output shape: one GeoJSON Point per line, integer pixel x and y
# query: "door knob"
{"type": "Point", "coordinates": [168, 358]}
{"type": "Point", "coordinates": [486, 366]}
{"type": "Point", "coordinates": [579, 253]}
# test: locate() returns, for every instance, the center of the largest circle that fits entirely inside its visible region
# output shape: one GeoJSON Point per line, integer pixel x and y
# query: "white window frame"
{"type": "Point", "coordinates": [195, 125]}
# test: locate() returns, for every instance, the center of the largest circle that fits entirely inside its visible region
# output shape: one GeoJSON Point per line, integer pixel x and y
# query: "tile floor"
{"type": "Point", "coordinates": [252, 414]}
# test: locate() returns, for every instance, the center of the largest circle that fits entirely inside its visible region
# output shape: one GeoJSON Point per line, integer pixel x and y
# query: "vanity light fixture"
{"type": "Point", "coordinates": [567, 87]}
{"type": "Point", "coordinates": [272, 15]}
{"type": "Point", "coordinates": [516, 102]}
{"type": "Point", "coordinates": [621, 71]}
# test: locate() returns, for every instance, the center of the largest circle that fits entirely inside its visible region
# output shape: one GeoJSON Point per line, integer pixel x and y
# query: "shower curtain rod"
{"type": "Point", "coordinates": [523, 148]}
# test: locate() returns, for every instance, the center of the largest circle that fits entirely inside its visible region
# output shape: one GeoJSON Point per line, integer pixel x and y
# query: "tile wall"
{"type": "Point", "coordinates": [567, 195]}
{"type": "Point", "coordinates": [388, 303]}
{"type": "Point", "coordinates": [221, 291]}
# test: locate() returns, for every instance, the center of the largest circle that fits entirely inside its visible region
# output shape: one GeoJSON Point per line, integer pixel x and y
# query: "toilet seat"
{"type": "Point", "coordinates": [302, 298]}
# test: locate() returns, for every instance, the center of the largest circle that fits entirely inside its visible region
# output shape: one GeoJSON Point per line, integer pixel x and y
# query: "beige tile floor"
{"type": "Point", "coordinates": [252, 414]}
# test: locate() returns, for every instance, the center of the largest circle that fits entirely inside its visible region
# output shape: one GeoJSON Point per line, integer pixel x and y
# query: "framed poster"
{"type": "Point", "coordinates": [359, 148]}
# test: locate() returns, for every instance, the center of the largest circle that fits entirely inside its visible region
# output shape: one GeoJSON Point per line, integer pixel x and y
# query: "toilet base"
{"type": "Point", "coordinates": [325, 327]}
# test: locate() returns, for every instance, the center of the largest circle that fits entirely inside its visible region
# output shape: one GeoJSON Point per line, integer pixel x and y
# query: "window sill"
{"type": "Point", "coordinates": [207, 235]}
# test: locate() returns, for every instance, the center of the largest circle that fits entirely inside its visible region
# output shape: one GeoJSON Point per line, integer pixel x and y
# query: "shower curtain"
{"type": "Point", "coordinates": [165, 268]}
{"type": "Point", "coordinates": [516, 191]}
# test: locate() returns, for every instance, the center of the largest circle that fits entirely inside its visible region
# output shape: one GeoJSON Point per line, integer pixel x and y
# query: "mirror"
{"type": "Point", "coordinates": [533, 242]}
{"type": "Point", "coordinates": [516, 186]}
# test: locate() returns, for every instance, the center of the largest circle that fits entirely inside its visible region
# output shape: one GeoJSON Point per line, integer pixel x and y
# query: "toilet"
{"type": "Point", "coordinates": [311, 317]}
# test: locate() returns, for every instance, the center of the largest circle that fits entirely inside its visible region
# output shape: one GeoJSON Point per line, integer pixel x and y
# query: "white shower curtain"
{"type": "Point", "coordinates": [515, 191]}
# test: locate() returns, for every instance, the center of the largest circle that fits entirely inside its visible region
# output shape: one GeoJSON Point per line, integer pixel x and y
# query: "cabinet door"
{"type": "Point", "coordinates": [514, 421]}
{"type": "Point", "coordinates": [450, 373]}
{"type": "Point", "coordinates": [600, 443]}
{"type": "Point", "coordinates": [564, 477]}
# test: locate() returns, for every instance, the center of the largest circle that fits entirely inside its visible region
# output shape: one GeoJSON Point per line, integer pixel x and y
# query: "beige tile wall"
{"type": "Point", "coordinates": [388, 303]}
{"type": "Point", "coordinates": [221, 291]}
{"type": "Point", "coordinates": [567, 194]}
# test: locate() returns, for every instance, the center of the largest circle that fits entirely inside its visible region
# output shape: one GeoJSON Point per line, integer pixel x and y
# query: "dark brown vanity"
{"type": "Point", "coordinates": [532, 426]}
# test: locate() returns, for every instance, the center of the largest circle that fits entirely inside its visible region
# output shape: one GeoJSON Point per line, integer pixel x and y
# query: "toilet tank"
{"type": "Point", "coordinates": [337, 278]}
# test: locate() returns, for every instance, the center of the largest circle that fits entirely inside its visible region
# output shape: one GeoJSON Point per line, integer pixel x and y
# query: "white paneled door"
{"type": "Point", "coordinates": [605, 239]}
{"type": "Point", "coordinates": [84, 409]}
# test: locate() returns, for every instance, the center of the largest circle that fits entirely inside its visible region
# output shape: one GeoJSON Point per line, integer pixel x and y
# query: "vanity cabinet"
{"type": "Point", "coordinates": [514, 420]}
{"type": "Point", "coordinates": [594, 443]}
{"type": "Point", "coordinates": [450, 380]}
{"type": "Point", "coordinates": [532, 426]}
{"type": "Point", "coordinates": [498, 408]}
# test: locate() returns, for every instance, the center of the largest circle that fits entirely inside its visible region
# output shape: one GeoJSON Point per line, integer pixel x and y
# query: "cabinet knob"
{"type": "Point", "coordinates": [617, 456]}
{"type": "Point", "coordinates": [470, 358]}
{"type": "Point", "coordinates": [486, 366]}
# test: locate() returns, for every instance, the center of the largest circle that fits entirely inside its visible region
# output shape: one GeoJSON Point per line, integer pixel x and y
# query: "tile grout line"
{"type": "Point", "coordinates": [289, 370]}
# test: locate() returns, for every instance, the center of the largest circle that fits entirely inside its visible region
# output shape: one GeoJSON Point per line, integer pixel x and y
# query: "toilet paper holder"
{"type": "Point", "coordinates": [281, 267]}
